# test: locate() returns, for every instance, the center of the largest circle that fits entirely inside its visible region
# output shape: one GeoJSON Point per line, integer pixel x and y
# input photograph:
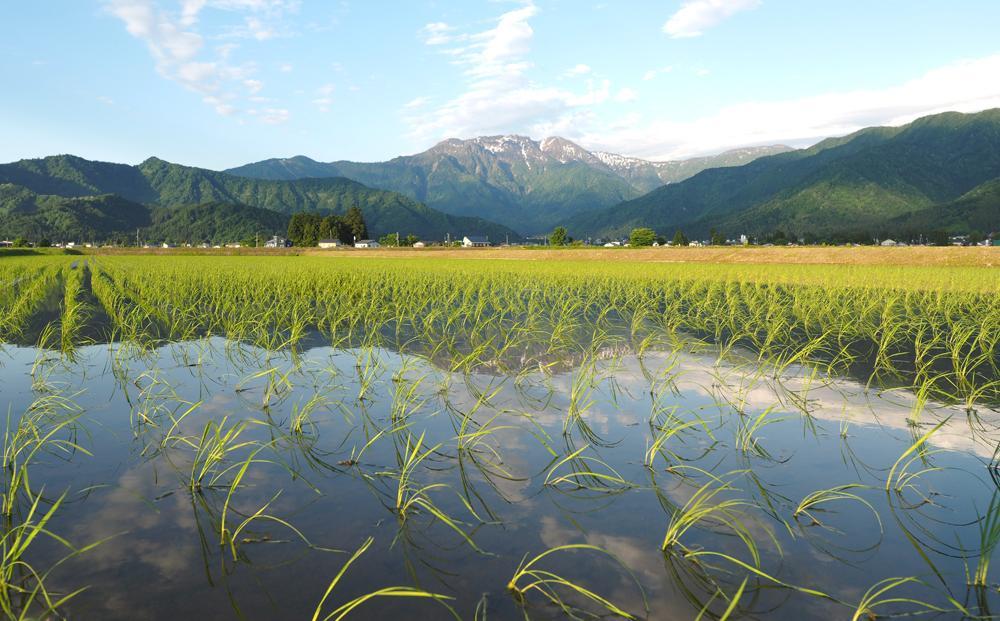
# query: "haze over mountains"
{"type": "Point", "coordinates": [529, 185]}
{"type": "Point", "coordinates": [941, 172]}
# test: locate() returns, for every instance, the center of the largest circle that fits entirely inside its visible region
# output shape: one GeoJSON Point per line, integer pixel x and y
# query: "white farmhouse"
{"type": "Point", "coordinates": [475, 241]}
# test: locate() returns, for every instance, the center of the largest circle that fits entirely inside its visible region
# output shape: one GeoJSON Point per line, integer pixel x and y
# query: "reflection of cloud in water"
{"type": "Point", "coordinates": [644, 561]}
{"type": "Point", "coordinates": [826, 398]}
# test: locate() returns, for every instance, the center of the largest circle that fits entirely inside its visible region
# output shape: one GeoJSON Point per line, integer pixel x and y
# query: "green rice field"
{"type": "Point", "coordinates": [265, 437]}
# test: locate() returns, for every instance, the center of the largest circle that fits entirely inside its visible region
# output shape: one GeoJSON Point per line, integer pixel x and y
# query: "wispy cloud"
{"type": "Point", "coordinates": [968, 85]}
{"type": "Point", "coordinates": [437, 33]}
{"type": "Point", "coordinates": [178, 48]}
{"type": "Point", "coordinates": [416, 102]}
{"type": "Point", "coordinates": [652, 73]}
{"type": "Point", "coordinates": [696, 16]}
{"type": "Point", "coordinates": [324, 98]}
{"type": "Point", "coordinates": [626, 95]}
{"type": "Point", "coordinates": [580, 69]}
{"type": "Point", "coordinates": [271, 116]}
{"type": "Point", "coordinates": [498, 94]}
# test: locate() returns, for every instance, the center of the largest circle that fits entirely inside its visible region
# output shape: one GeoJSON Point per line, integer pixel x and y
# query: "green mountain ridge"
{"type": "Point", "coordinates": [161, 184]}
{"type": "Point", "coordinates": [863, 181]}
{"type": "Point", "coordinates": [976, 210]}
{"type": "Point", "coordinates": [525, 184]}
{"type": "Point", "coordinates": [24, 213]}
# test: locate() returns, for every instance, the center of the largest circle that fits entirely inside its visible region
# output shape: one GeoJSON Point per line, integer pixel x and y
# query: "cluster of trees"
{"type": "Point", "coordinates": [306, 229]}
{"type": "Point", "coordinates": [395, 239]}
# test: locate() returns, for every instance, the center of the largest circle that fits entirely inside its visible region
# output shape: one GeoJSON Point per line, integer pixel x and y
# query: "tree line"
{"type": "Point", "coordinates": [307, 229]}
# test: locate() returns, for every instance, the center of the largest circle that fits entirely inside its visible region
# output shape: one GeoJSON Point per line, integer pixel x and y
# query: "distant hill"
{"type": "Point", "coordinates": [526, 184]}
{"type": "Point", "coordinates": [976, 210]}
{"type": "Point", "coordinates": [162, 184]}
{"type": "Point", "coordinates": [24, 213]}
{"type": "Point", "coordinates": [870, 179]}
{"type": "Point", "coordinates": [214, 223]}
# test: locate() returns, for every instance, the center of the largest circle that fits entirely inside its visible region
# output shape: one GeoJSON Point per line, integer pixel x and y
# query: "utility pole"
{"type": "Point", "coordinates": [137, 238]}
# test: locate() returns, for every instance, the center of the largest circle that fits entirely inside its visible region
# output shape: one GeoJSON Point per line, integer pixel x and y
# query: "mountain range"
{"type": "Point", "coordinates": [39, 193]}
{"type": "Point", "coordinates": [876, 179]}
{"type": "Point", "coordinates": [940, 172]}
{"type": "Point", "coordinates": [528, 185]}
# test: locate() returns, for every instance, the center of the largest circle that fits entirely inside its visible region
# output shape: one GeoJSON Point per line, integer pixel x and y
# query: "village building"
{"type": "Point", "coordinates": [329, 243]}
{"type": "Point", "coordinates": [475, 241]}
{"type": "Point", "coordinates": [366, 243]}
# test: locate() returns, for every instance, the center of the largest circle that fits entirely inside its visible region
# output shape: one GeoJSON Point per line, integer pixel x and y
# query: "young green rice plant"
{"type": "Point", "coordinates": [231, 538]}
{"type": "Point", "coordinates": [708, 506]}
{"type": "Point", "coordinates": [734, 601]}
{"type": "Point", "coordinates": [23, 590]}
{"type": "Point", "coordinates": [411, 497]}
{"type": "Point", "coordinates": [813, 504]}
{"type": "Point", "coordinates": [216, 444]}
{"type": "Point", "coordinates": [301, 419]}
{"type": "Point", "coordinates": [347, 608]}
{"type": "Point", "coordinates": [989, 538]}
{"type": "Point", "coordinates": [530, 577]}
{"type": "Point", "coordinates": [74, 311]}
{"type": "Point", "coordinates": [576, 471]}
{"type": "Point", "coordinates": [880, 595]}
{"type": "Point", "coordinates": [664, 426]}
{"type": "Point", "coordinates": [900, 477]}
{"type": "Point", "coordinates": [748, 432]}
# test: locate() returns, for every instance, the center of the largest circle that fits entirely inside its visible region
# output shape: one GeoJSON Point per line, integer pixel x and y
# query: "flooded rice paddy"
{"type": "Point", "coordinates": [493, 450]}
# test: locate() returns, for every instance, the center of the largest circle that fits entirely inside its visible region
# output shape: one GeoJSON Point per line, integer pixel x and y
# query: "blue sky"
{"type": "Point", "coordinates": [218, 83]}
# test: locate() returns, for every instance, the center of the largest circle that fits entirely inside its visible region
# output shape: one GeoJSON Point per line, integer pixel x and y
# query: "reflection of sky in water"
{"type": "Point", "coordinates": [163, 558]}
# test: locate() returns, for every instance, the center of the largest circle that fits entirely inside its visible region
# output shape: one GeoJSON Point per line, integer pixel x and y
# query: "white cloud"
{"type": "Point", "coordinates": [177, 47]}
{"type": "Point", "coordinates": [967, 86]}
{"type": "Point", "coordinates": [104, 99]}
{"type": "Point", "coordinates": [696, 16]}
{"type": "Point", "coordinates": [221, 104]}
{"type": "Point", "coordinates": [286, 68]}
{"type": "Point", "coordinates": [273, 116]}
{"type": "Point", "coordinates": [580, 69]}
{"type": "Point", "coordinates": [437, 33]}
{"type": "Point", "coordinates": [652, 73]}
{"type": "Point", "coordinates": [325, 99]}
{"type": "Point", "coordinates": [499, 96]}
{"type": "Point", "coordinates": [626, 95]}
{"type": "Point", "coordinates": [416, 102]}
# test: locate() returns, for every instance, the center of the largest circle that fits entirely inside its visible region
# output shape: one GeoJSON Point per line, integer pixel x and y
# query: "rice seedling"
{"type": "Point", "coordinates": [412, 497]}
{"type": "Point", "coordinates": [989, 538]}
{"type": "Point", "coordinates": [530, 577]}
{"type": "Point", "coordinates": [879, 595]}
{"type": "Point", "coordinates": [811, 505]}
{"type": "Point", "coordinates": [345, 609]}
{"type": "Point", "coordinates": [707, 506]}
{"type": "Point", "coordinates": [585, 473]}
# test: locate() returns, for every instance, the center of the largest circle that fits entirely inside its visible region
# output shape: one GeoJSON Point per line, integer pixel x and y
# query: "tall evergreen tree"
{"type": "Point", "coordinates": [355, 221]}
